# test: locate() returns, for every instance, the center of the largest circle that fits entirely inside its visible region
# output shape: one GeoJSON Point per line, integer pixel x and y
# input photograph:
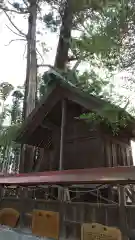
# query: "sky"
{"type": "Point", "coordinates": [12, 56]}
{"type": "Point", "coordinates": [12, 62]}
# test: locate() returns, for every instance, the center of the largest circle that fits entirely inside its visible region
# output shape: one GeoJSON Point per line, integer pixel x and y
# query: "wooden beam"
{"type": "Point", "coordinates": [122, 212]}
{"type": "Point", "coordinates": [39, 114]}
{"type": "Point", "coordinates": [114, 176]}
{"type": "Point", "coordinates": [50, 125]}
{"type": "Point", "coordinates": [62, 137]}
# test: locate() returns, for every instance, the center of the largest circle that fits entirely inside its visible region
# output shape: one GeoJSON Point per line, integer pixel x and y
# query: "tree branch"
{"type": "Point", "coordinates": [5, 9]}
{"type": "Point", "coordinates": [14, 32]}
{"type": "Point", "coordinates": [26, 4]}
{"type": "Point", "coordinates": [46, 65]}
{"type": "Point", "coordinates": [77, 64]}
{"type": "Point", "coordinates": [40, 55]}
{"type": "Point", "coordinates": [13, 40]}
{"type": "Point", "coordinates": [22, 10]}
{"type": "Point", "coordinates": [23, 34]}
{"type": "Point", "coordinates": [72, 58]}
{"type": "Point", "coordinates": [25, 50]}
{"type": "Point", "coordinates": [55, 70]}
{"type": "Point", "coordinates": [129, 65]}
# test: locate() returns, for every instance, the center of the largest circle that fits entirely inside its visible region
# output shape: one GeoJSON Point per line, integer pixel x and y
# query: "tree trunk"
{"type": "Point", "coordinates": [30, 85]}
{"type": "Point", "coordinates": [65, 36]}
{"type": "Point", "coordinates": [32, 80]}
{"type": "Point", "coordinates": [60, 62]}
{"type": "Point", "coordinates": [31, 72]}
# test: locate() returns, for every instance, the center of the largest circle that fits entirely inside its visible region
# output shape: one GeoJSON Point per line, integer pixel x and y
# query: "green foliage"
{"type": "Point", "coordinates": [106, 42]}
{"type": "Point", "coordinates": [16, 110]}
{"type": "Point", "coordinates": [16, 5]}
{"type": "Point", "coordinates": [5, 90]}
{"type": "Point", "coordinates": [9, 150]}
{"type": "Point", "coordinates": [91, 83]}
{"type": "Point", "coordinates": [112, 117]}
{"type": "Point", "coordinates": [88, 82]}
{"type": "Point", "coordinates": [109, 36]}
{"type": "Point", "coordinates": [17, 94]}
{"type": "Point", "coordinates": [47, 78]}
{"type": "Point", "coordinates": [68, 76]}
{"type": "Point", "coordinates": [8, 134]}
{"type": "Point", "coordinates": [82, 10]}
{"type": "Point", "coordinates": [4, 114]}
{"type": "Point", "coordinates": [51, 21]}
{"type": "Point", "coordinates": [21, 6]}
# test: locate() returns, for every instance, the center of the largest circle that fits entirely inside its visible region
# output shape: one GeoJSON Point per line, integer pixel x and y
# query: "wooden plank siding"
{"type": "Point", "coordinates": [117, 153]}
{"type": "Point", "coordinates": [75, 214]}
{"type": "Point", "coordinates": [85, 148]}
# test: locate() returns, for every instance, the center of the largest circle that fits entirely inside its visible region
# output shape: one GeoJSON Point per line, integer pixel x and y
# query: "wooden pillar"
{"type": "Point", "coordinates": [23, 197]}
{"type": "Point", "coordinates": [122, 212]}
{"type": "Point", "coordinates": [60, 190]}
{"type": "Point", "coordinates": [109, 158]}
{"type": "Point", "coordinates": [62, 137]}
{"type": "Point", "coordinates": [63, 123]}
{"type": "Point", "coordinates": [132, 187]}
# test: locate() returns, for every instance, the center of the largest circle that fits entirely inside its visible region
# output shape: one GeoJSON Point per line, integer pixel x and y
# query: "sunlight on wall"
{"type": "Point", "coordinates": [133, 151]}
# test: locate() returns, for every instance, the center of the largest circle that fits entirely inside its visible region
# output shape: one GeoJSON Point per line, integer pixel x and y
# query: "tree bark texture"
{"type": "Point", "coordinates": [65, 37]}
{"type": "Point", "coordinates": [27, 153]}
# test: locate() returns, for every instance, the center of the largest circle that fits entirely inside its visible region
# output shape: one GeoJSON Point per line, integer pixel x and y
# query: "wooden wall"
{"type": "Point", "coordinates": [73, 214]}
{"type": "Point", "coordinates": [117, 152]}
{"type": "Point", "coordinates": [82, 147]}
{"type": "Point", "coordinates": [86, 146]}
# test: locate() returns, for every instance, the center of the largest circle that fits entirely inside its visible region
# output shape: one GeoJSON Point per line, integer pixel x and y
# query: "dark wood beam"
{"type": "Point", "coordinates": [113, 175]}
{"type": "Point", "coordinates": [122, 212]}
{"type": "Point", "coordinates": [62, 137]}
{"type": "Point", "coordinates": [50, 125]}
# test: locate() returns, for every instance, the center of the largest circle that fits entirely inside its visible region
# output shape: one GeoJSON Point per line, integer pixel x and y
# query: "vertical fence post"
{"type": "Point", "coordinates": [122, 212]}
{"type": "Point", "coordinates": [23, 197]}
